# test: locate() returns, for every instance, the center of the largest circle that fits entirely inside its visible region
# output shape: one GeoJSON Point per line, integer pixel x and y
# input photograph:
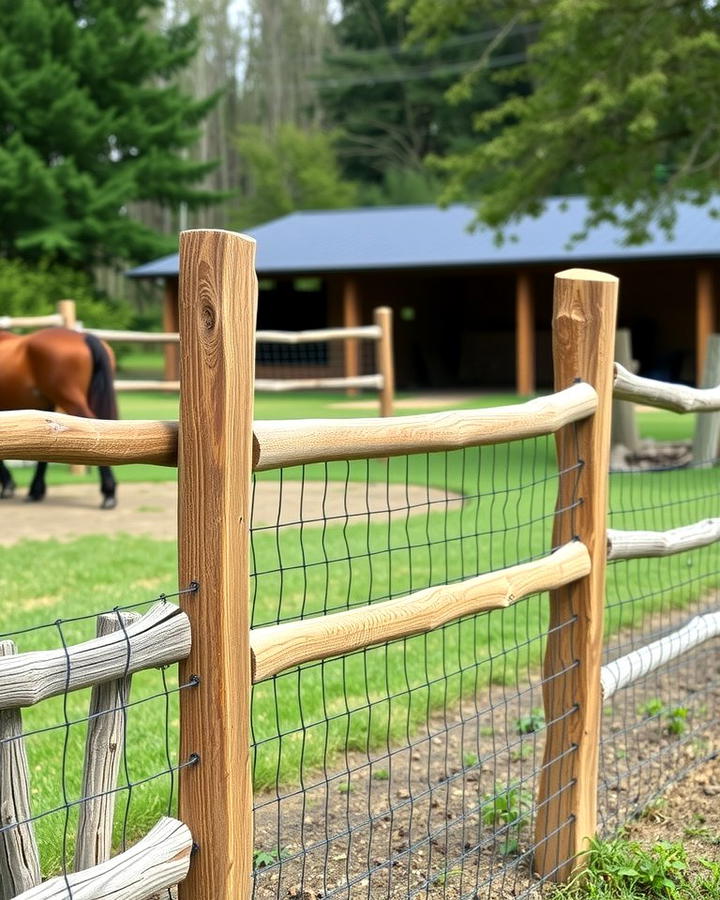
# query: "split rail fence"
{"type": "Point", "coordinates": [347, 358]}
{"type": "Point", "coordinates": [273, 613]}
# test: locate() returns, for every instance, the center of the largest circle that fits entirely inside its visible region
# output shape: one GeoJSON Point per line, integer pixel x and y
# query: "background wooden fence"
{"type": "Point", "coordinates": [279, 377]}
{"type": "Point", "coordinates": [218, 448]}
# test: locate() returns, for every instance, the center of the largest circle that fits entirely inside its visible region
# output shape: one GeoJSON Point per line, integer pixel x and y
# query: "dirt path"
{"type": "Point", "coordinates": [71, 511]}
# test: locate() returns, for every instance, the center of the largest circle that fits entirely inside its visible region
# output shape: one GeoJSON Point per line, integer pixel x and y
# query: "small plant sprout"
{"type": "Point", "coordinates": [530, 723]}
{"type": "Point", "coordinates": [676, 720]}
{"type": "Point", "coordinates": [509, 806]}
{"type": "Point", "coordinates": [264, 858]}
{"type": "Point", "coordinates": [470, 760]}
{"type": "Point", "coordinates": [381, 775]}
{"type": "Point", "coordinates": [652, 708]}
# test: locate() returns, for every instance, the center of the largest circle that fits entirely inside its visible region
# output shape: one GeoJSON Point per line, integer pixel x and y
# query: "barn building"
{"type": "Point", "coordinates": [470, 312]}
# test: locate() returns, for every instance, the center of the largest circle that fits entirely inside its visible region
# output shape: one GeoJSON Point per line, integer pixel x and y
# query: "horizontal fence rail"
{"type": "Point", "coordinates": [159, 637]}
{"type": "Point", "coordinates": [56, 437]}
{"type": "Point", "coordinates": [55, 319]}
{"type": "Point", "coordinates": [294, 443]}
{"type": "Point", "coordinates": [636, 665]}
{"type": "Point", "coordinates": [279, 647]}
{"type": "Point", "coordinates": [674, 397]}
{"type": "Point", "coordinates": [642, 544]}
{"type": "Point", "coordinates": [310, 336]}
{"type": "Point", "coordinates": [156, 863]}
{"type": "Point", "coordinates": [134, 337]}
{"type": "Point", "coordinates": [147, 384]}
{"type": "Point", "coordinates": [279, 385]}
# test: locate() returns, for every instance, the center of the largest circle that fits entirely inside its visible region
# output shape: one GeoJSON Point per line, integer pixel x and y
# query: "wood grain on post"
{"type": "Point", "coordinates": [386, 364]}
{"type": "Point", "coordinates": [103, 753]}
{"type": "Point", "coordinates": [585, 310]}
{"type": "Point", "coordinates": [218, 302]}
{"type": "Point", "coordinates": [19, 860]}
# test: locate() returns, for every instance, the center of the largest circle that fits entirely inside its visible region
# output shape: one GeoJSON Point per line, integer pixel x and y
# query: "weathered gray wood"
{"type": "Point", "coordinates": [630, 668]}
{"type": "Point", "coordinates": [706, 438]}
{"type": "Point", "coordinates": [157, 862]}
{"type": "Point", "coordinates": [624, 426]}
{"type": "Point", "coordinates": [19, 862]}
{"type": "Point", "coordinates": [674, 397]}
{"type": "Point", "coordinates": [640, 544]}
{"type": "Point", "coordinates": [103, 752]}
{"type": "Point", "coordinates": [159, 637]}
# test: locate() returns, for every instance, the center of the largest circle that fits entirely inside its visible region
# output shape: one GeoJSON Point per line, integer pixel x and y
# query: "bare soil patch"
{"type": "Point", "coordinates": [383, 824]}
{"type": "Point", "coordinates": [72, 510]}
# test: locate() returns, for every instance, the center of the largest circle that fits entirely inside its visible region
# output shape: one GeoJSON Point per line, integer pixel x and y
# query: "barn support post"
{"type": "Point", "coordinates": [218, 304]}
{"type": "Point", "coordinates": [351, 319]}
{"type": "Point", "coordinates": [524, 334]}
{"type": "Point", "coordinates": [171, 318]}
{"type": "Point", "coordinates": [585, 309]}
{"type": "Point", "coordinates": [705, 316]}
{"type": "Point", "coordinates": [386, 364]}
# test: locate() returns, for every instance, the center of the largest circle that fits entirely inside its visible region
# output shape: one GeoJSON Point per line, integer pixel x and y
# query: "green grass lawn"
{"type": "Point", "coordinates": [369, 698]}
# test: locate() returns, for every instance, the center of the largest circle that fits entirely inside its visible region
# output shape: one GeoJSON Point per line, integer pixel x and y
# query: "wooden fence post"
{"type": "Point", "coordinates": [624, 424]}
{"type": "Point", "coordinates": [707, 425]}
{"type": "Point", "coordinates": [66, 309]}
{"type": "Point", "coordinates": [386, 363]}
{"type": "Point", "coordinates": [585, 309]}
{"type": "Point", "coordinates": [218, 303]}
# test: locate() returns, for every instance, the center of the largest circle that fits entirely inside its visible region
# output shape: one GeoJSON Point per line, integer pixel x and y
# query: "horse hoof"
{"type": "Point", "coordinates": [108, 503]}
{"type": "Point", "coordinates": [33, 498]}
{"type": "Point", "coordinates": [7, 493]}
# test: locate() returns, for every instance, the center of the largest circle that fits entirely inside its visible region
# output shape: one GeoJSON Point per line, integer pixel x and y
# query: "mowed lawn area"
{"type": "Point", "coordinates": [489, 508]}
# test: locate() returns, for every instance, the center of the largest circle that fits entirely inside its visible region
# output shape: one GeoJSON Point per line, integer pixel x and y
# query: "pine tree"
{"type": "Point", "coordinates": [389, 98]}
{"type": "Point", "coordinates": [91, 120]}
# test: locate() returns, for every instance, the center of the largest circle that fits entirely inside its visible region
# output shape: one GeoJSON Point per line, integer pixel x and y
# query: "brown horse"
{"type": "Point", "coordinates": [56, 368]}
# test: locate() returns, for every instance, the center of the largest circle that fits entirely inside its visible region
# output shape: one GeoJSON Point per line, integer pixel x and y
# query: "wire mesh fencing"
{"type": "Point", "coordinates": [409, 767]}
{"type": "Point", "coordinates": [660, 727]}
{"type": "Point", "coordinates": [88, 738]}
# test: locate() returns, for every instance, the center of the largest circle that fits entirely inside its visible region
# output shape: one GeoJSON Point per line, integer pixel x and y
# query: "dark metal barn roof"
{"type": "Point", "coordinates": [411, 237]}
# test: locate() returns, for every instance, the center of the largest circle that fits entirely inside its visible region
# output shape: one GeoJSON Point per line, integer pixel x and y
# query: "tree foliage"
{"type": "Point", "coordinates": [624, 107]}
{"type": "Point", "coordinates": [33, 289]}
{"type": "Point", "coordinates": [294, 169]}
{"type": "Point", "coordinates": [389, 98]}
{"type": "Point", "coordinates": [90, 120]}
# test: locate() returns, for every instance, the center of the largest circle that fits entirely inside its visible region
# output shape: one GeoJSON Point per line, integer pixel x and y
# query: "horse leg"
{"type": "Point", "coordinates": [37, 485]}
{"type": "Point", "coordinates": [107, 487]}
{"type": "Point", "coordinates": [7, 485]}
{"type": "Point", "coordinates": [75, 404]}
